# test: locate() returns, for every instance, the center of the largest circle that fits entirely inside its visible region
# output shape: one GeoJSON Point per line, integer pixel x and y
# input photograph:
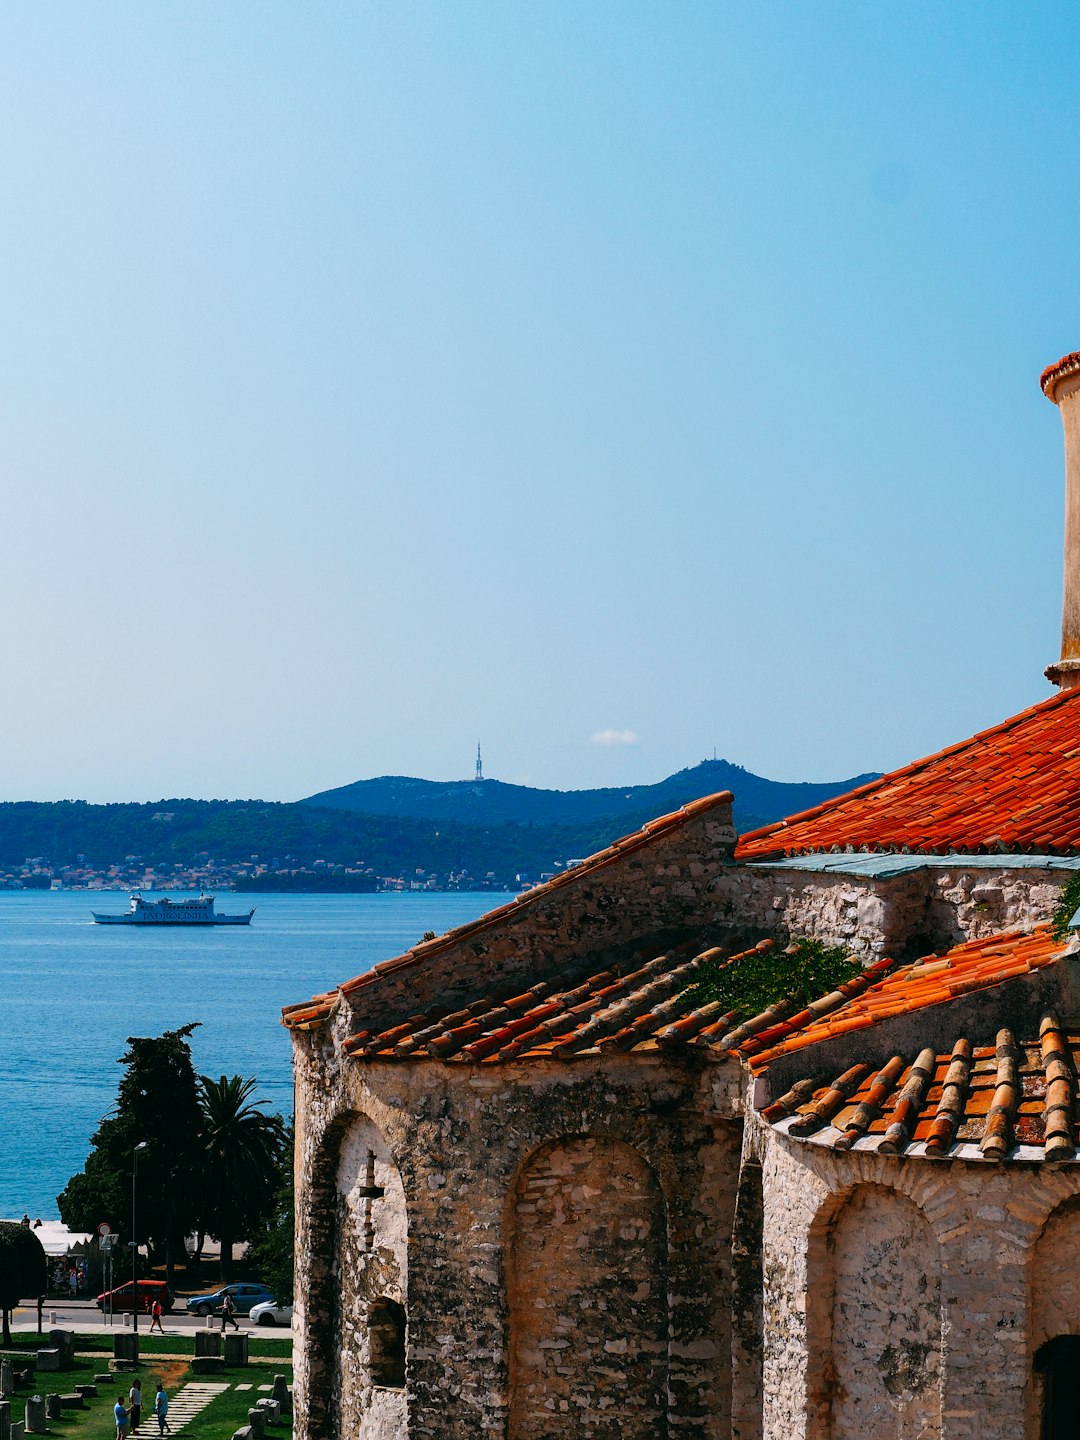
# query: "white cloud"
{"type": "Point", "coordinates": [615, 737]}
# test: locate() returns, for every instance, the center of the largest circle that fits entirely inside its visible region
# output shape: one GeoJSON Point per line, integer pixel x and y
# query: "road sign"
{"type": "Point", "coordinates": [104, 1229]}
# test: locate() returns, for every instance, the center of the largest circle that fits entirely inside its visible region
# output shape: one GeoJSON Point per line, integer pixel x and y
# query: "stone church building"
{"type": "Point", "coordinates": [543, 1193]}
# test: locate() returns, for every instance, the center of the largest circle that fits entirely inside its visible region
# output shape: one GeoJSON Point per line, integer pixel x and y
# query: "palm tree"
{"type": "Point", "coordinates": [244, 1149]}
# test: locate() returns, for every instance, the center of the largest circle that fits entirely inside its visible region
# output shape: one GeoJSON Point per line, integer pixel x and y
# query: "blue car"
{"type": "Point", "coordinates": [244, 1296]}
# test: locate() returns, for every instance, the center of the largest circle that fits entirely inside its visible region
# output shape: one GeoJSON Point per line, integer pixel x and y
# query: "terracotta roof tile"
{"type": "Point", "coordinates": [1014, 787]}
{"type": "Point", "coordinates": [627, 1005]}
{"type": "Point", "coordinates": [975, 965]}
{"type": "Point", "coordinates": [995, 1099]}
{"type": "Point", "coordinates": [318, 1009]}
{"type": "Point", "coordinates": [1067, 365]}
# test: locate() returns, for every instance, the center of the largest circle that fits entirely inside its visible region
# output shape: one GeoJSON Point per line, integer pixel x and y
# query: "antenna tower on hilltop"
{"type": "Point", "coordinates": [479, 765]}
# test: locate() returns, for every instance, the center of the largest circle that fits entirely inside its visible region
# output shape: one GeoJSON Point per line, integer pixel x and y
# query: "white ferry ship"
{"type": "Point", "coordinates": [188, 911]}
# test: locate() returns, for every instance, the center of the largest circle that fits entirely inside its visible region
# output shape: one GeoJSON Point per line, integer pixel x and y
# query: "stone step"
{"type": "Point", "coordinates": [190, 1400]}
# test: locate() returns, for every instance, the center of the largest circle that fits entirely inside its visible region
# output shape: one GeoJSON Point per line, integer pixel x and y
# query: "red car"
{"type": "Point", "coordinates": [149, 1291]}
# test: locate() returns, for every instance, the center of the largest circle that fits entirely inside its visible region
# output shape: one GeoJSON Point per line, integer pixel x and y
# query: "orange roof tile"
{"type": "Point", "coordinates": [648, 1003]}
{"type": "Point", "coordinates": [975, 965]}
{"type": "Point", "coordinates": [1015, 787]}
{"type": "Point", "coordinates": [1067, 365]}
{"type": "Point", "coordinates": [996, 1097]}
{"type": "Point", "coordinates": [628, 1005]}
{"type": "Point", "coordinates": [312, 1012]}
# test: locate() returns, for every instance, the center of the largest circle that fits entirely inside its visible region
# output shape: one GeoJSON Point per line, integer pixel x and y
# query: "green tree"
{"type": "Point", "coordinates": [157, 1103]}
{"type": "Point", "coordinates": [22, 1269]}
{"type": "Point", "coordinates": [242, 1154]}
{"type": "Point", "coordinates": [273, 1251]}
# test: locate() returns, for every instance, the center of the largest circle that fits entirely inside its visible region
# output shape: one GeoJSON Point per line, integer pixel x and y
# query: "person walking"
{"type": "Point", "coordinates": [228, 1312]}
{"type": "Point", "coordinates": [121, 1418]}
{"type": "Point", "coordinates": [135, 1408]}
{"type": "Point", "coordinates": [156, 1321]}
{"type": "Point", "coordinates": [161, 1410]}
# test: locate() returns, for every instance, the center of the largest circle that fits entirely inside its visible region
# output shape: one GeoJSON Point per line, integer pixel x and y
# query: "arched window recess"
{"type": "Point", "coordinates": [386, 1342]}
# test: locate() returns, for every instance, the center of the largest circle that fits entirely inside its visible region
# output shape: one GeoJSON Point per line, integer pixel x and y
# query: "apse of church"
{"type": "Point", "coordinates": [547, 1191]}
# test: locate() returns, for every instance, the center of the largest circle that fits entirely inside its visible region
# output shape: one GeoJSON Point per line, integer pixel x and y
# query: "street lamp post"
{"type": "Point", "coordinates": [134, 1242]}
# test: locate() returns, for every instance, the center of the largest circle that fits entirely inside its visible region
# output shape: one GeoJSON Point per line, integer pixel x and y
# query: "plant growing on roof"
{"type": "Point", "coordinates": [1066, 908]}
{"type": "Point", "coordinates": [803, 971]}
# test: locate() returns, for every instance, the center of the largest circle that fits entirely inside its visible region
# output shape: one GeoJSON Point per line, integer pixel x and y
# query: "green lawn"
{"type": "Point", "coordinates": [269, 1346]}
{"type": "Point", "coordinates": [225, 1415]}
{"type": "Point", "coordinates": [221, 1418]}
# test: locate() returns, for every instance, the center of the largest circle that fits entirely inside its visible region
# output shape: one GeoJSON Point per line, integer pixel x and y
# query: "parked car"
{"type": "Point", "coordinates": [244, 1296]}
{"type": "Point", "coordinates": [149, 1291]}
{"type": "Point", "coordinates": [269, 1312]}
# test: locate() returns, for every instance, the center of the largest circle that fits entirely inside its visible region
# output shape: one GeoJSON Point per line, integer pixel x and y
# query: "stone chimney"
{"type": "Point", "coordinates": [1061, 384]}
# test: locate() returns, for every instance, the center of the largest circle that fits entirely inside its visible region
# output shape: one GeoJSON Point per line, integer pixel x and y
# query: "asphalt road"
{"type": "Point", "coordinates": [84, 1315]}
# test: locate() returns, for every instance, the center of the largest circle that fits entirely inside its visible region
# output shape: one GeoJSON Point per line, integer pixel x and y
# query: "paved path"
{"type": "Point", "coordinates": [188, 1401]}
{"type": "Point", "coordinates": [193, 1398]}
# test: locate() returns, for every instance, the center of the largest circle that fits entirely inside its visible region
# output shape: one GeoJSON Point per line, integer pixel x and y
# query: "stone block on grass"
{"type": "Point", "coordinates": [272, 1408]}
{"type": "Point", "coordinates": [244, 1433]}
{"type": "Point", "coordinates": [257, 1422]}
{"type": "Point", "coordinates": [18, 1430]}
{"type": "Point", "coordinates": [282, 1394]}
{"type": "Point", "coordinates": [86, 1391]}
{"type": "Point", "coordinates": [72, 1401]}
{"type": "Point", "coordinates": [208, 1364]}
{"type": "Point", "coordinates": [5, 1420]}
{"type": "Point", "coordinates": [35, 1415]}
{"type": "Point", "coordinates": [207, 1342]}
{"type": "Point", "coordinates": [64, 1341]}
{"type": "Point", "coordinates": [126, 1347]}
{"type": "Point", "coordinates": [236, 1349]}
{"type": "Point", "coordinates": [52, 1407]}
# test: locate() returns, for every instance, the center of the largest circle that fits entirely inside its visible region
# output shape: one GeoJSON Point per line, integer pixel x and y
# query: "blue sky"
{"type": "Point", "coordinates": [378, 377]}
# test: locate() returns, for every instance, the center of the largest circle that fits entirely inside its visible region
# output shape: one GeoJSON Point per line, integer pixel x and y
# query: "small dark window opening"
{"type": "Point", "coordinates": [386, 1339]}
{"type": "Point", "coordinates": [1058, 1362]}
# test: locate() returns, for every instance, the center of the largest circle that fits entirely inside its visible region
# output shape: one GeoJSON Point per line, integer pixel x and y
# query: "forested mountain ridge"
{"type": "Point", "coordinates": [484, 832]}
{"type": "Point", "coordinates": [492, 802]}
{"type": "Point", "coordinates": [232, 833]}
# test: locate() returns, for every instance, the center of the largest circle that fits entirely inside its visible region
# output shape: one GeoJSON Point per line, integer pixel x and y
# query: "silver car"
{"type": "Point", "coordinates": [269, 1312]}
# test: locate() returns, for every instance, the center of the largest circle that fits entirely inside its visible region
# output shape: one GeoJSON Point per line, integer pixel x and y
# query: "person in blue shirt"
{"type": "Point", "coordinates": [161, 1409]}
{"type": "Point", "coordinates": [121, 1418]}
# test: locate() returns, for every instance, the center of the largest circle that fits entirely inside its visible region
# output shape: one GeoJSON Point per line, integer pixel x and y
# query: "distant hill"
{"type": "Point", "coordinates": [234, 834]}
{"type": "Point", "coordinates": [390, 827]}
{"type": "Point", "coordinates": [491, 802]}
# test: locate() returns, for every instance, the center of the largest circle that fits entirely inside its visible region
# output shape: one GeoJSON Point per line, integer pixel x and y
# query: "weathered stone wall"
{"type": "Point", "coordinates": [459, 1136]}
{"type": "Point", "coordinates": [662, 889]}
{"type": "Point", "coordinates": [986, 1221]}
{"type": "Point", "coordinates": [356, 1253]}
{"type": "Point", "coordinates": [885, 1348]}
{"type": "Point", "coordinates": [1054, 1298]}
{"type": "Point", "coordinates": [684, 885]}
{"type": "Point", "coordinates": [747, 1296]}
{"type": "Point", "coordinates": [904, 916]}
{"type": "Point", "coordinates": [967, 904]}
{"type": "Point", "coordinates": [372, 1265]}
{"type": "Point", "coordinates": [587, 1282]}
{"type": "Point", "coordinates": [872, 917]}
{"type": "Point", "coordinates": [1055, 1283]}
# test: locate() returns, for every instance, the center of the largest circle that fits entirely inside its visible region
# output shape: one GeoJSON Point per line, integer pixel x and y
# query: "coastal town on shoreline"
{"type": "Point", "coordinates": [273, 875]}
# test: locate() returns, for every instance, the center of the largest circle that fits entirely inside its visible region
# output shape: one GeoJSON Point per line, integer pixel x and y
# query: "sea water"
{"type": "Point", "coordinates": [71, 992]}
